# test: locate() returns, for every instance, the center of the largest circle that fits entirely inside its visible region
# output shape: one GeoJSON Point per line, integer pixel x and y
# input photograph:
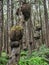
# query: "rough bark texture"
{"type": "Point", "coordinates": [42, 36]}
{"type": "Point", "coordinates": [12, 18]}
{"type": "Point", "coordinates": [7, 28]}
{"type": "Point", "coordinates": [1, 24]}
{"type": "Point", "coordinates": [46, 22]}
{"type": "Point", "coordinates": [15, 53]}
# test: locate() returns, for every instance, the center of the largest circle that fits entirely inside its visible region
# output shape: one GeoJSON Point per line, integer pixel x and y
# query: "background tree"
{"type": "Point", "coordinates": [46, 22]}
{"type": "Point", "coordinates": [1, 24]}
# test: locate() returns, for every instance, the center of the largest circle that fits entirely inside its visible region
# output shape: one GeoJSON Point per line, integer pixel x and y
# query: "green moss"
{"type": "Point", "coordinates": [16, 33]}
{"type": "Point", "coordinates": [16, 28]}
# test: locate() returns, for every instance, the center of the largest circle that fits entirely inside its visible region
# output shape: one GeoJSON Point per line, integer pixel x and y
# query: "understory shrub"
{"type": "Point", "coordinates": [33, 61]}
{"type": "Point", "coordinates": [4, 58]}
{"type": "Point", "coordinates": [38, 57]}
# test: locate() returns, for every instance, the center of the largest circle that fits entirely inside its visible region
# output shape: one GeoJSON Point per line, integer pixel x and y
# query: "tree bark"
{"type": "Point", "coordinates": [46, 22]}
{"type": "Point", "coordinates": [7, 29]}
{"type": "Point", "coordinates": [12, 18]}
{"type": "Point", "coordinates": [41, 25]}
{"type": "Point", "coordinates": [1, 24]}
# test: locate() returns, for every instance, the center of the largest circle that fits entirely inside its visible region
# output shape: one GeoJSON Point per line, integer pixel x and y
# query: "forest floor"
{"type": "Point", "coordinates": [37, 57]}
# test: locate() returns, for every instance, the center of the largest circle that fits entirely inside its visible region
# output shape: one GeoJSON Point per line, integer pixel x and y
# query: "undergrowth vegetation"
{"type": "Point", "coordinates": [38, 57]}
{"type": "Point", "coordinates": [3, 58]}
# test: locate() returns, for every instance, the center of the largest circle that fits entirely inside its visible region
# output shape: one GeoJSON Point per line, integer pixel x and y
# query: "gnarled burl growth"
{"type": "Point", "coordinates": [25, 9]}
{"type": "Point", "coordinates": [16, 33]}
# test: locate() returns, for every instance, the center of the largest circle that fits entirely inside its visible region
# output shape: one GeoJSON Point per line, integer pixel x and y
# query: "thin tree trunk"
{"type": "Point", "coordinates": [1, 24]}
{"type": "Point", "coordinates": [32, 31]}
{"type": "Point", "coordinates": [8, 20]}
{"type": "Point", "coordinates": [48, 3]}
{"type": "Point", "coordinates": [46, 22]}
{"type": "Point", "coordinates": [12, 18]}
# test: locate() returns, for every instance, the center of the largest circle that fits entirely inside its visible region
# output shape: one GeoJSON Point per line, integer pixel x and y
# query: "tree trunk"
{"type": "Point", "coordinates": [46, 22]}
{"type": "Point", "coordinates": [41, 24]}
{"type": "Point", "coordinates": [37, 32]}
{"type": "Point", "coordinates": [48, 3]}
{"type": "Point", "coordinates": [1, 24]}
{"type": "Point", "coordinates": [12, 18]}
{"type": "Point", "coordinates": [7, 29]}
